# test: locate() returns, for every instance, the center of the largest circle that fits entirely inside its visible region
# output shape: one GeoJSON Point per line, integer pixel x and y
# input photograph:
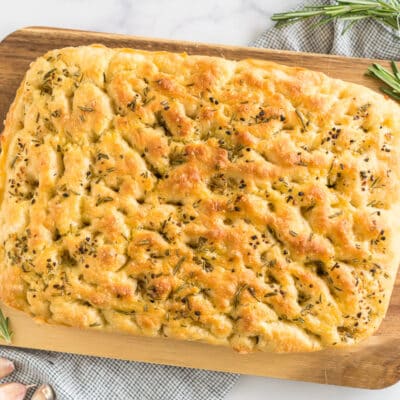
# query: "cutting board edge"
{"type": "Point", "coordinates": [383, 384]}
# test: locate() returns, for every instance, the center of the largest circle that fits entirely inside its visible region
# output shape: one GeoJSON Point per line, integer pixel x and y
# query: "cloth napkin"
{"type": "Point", "coordinates": [91, 378]}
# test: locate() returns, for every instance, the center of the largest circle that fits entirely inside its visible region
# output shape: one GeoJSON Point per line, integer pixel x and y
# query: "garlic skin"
{"type": "Point", "coordinates": [13, 391]}
{"type": "Point", "coordinates": [43, 392]}
{"type": "Point", "coordinates": [6, 367]}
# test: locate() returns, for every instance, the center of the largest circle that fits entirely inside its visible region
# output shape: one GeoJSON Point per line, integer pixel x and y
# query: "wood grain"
{"type": "Point", "coordinates": [373, 364]}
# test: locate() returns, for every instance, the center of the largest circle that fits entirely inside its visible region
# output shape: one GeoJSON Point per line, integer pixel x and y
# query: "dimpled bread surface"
{"type": "Point", "coordinates": [245, 204]}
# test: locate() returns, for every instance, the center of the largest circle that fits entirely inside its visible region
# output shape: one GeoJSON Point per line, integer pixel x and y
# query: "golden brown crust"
{"type": "Point", "coordinates": [238, 203]}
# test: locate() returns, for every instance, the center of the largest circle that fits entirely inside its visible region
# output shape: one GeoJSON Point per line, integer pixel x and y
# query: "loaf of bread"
{"type": "Point", "coordinates": [245, 204]}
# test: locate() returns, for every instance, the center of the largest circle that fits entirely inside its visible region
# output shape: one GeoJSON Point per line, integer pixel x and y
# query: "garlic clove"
{"type": "Point", "coordinates": [13, 391]}
{"type": "Point", "coordinates": [6, 367]}
{"type": "Point", "coordinates": [44, 392]}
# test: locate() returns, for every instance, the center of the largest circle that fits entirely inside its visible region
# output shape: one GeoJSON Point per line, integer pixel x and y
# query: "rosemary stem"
{"type": "Point", "coordinates": [387, 12]}
{"type": "Point", "coordinates": [391, 79]}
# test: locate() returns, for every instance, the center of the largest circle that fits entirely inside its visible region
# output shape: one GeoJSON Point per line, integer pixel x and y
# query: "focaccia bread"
{"type": "Point", "coordinates": [242, 203]}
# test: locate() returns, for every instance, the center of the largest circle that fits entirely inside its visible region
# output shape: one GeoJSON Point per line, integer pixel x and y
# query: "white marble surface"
{"type": "Point", "coordinates": [214, 21]}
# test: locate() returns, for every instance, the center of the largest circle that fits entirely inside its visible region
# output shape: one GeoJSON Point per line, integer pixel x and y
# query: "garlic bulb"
{"type": "Point", "coordinates": [13, 391]}
{"type": "Point", "coordinates": [6, 367]}
{"type": "Point", "coordinates": [44, 392]}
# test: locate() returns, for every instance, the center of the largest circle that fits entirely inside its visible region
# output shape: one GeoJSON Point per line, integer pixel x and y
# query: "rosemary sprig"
{"type": "Point", "coordinates": [391, 79]}
{"type": "Point", "coordinates": [350, 11]}
{"type": "Point", "coordinates": [5, 330]}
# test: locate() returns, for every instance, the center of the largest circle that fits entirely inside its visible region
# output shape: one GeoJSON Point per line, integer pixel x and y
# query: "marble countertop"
{"type": "Point", "coordinates": [214, 21]}
{"type": "Point", "coordinates": [223, 21]}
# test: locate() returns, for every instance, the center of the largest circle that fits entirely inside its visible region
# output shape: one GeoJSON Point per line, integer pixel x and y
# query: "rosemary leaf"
{"type": "Point", "coordinates": [102, 200]}
{"type": "Point", "coordinates": [391, 79]}
{"type": "Point", "coordinates": [236, 297]}
{"type": "Point", "coordinates": [5, 330]}
{"type": "Point", "coordinates": [86, 108]}
{"type": "Point", "coordinates": [178, 265]}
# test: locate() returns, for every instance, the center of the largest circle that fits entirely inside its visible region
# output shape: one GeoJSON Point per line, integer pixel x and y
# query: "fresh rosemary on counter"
{"type": "Point", "coordinates": [353, 11]}
{"type": "Point", "coordinates": [5, 330]}
{"type": "Point", "coordinates": [391, 79]}
{"type": "Point", "coordinates": [350, 11]}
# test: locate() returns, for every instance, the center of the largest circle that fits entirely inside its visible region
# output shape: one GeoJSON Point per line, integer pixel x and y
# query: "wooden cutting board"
{"type": "Point", "coordinates": [374, 364]}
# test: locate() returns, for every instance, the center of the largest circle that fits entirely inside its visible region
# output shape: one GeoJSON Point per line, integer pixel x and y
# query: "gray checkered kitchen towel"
{"type": "Point", "coordinates": [91, 378]}
{"type": "Point", "coordinates": [368, 38]}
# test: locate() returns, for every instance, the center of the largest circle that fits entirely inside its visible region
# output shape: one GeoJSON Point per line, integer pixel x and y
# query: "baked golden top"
{"type": "Point", "coordinates": [239, 203]}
